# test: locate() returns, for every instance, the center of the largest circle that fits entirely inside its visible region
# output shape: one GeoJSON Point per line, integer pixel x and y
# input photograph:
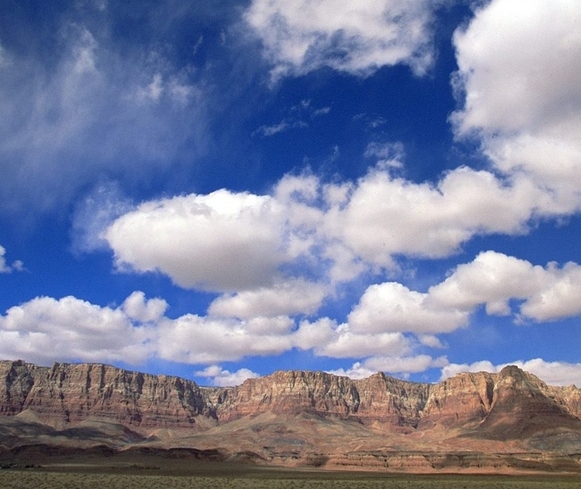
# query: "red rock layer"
{"type": "Point", "coordinates": [510, 405]}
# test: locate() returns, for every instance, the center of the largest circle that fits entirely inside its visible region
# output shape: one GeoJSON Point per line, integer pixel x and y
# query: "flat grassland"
{"type": "Point", "coordinates": [130, 470]}
{"type": "Point", "coordinates": [150, 473]}
{"type": "Point", "coordinates": [41, 479]}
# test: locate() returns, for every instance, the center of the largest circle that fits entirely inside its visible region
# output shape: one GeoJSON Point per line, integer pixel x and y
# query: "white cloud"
{"type": "Point", "coordinates": [387, 216]}
{"type": "Point", "coordinates": [45, 330]}
{"type": "Point", "coordinates": [94, 214]}
{"type": "Point", "coordinates": [145, 311]}
{"type": "Point", "coordinates": [356, 371]}
{"type": "Point", "coordinates": [519, 79]}
{"type": "Point", "coordinates": [403, 366]}
{"type": "Point", "coordinates": [232, 242]}
{"type": "Point", "coordinates": [286, 298]}
{"type": "Point", "coordinates": [294, 120]}
{"type": "Point", "coordinates": [196, 339]}
{"type": "Point", "coordinates": [222, 241]}
{"type": "Point", "coordinates": [392, 307]}
{"type": "Point", "coordinates": [386, 154]}
{"type": "Point", "coordinates": [224, 378]}
{"type": "Point", "coordinates": [554, 373]}
{"type": "Point", "coordinates": [494, 279]}
{"type": "Point", "coordinates": [282, 126]}
{"type": "Point", "coordinates": [345, 343]}
{"type": "Point", "coordinates": [355, 37]}
{"type": "Point", "coordinates": [4, 267]}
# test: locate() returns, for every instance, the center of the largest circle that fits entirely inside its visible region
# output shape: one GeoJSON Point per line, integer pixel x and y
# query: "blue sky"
{"type": "Point", "coordinates": [219, 190]}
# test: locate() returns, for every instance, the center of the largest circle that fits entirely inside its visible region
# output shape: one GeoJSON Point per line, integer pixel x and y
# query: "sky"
{"type": "Point", "coordinates": [220, 190]}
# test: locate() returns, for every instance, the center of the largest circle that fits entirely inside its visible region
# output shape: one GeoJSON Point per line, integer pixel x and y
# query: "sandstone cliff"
{"type": "Point", "coordinates": [510, 405]}
{"type": "Point", "coordinates": [68, 393]}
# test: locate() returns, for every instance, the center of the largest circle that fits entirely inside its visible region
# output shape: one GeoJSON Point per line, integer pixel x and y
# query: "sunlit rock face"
{"type": "Point", "coordinates": [69, 393]}
{"type": "Point", "coordinates": [510, 405]}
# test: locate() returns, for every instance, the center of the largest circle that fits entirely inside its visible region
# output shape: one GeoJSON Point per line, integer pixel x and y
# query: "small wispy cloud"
{"type": "Point", "coordinates": [297, 118]}
{"type": "Point", "coordinates": [16, 266]}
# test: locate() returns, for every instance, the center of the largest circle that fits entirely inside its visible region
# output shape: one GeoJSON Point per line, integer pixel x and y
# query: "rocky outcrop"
{"type": "Point", "coordinates": [388, 400]}
{"type": "Point", "coordinates": [291, 392]}
{"type": "Point", "coordinates": [465, 400]}
{"type": "Point", "coordinates": [521, 407]}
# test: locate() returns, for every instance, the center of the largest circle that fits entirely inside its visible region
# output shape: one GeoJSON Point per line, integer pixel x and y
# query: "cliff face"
{"type": "Point", "coordinates": [465, 399]}
{"type": "Point", "coordinates": [378, 398]}
{"type": "Point", "coordinates": [291, 392]}
{"type": "Point", "coordinates": [510, 405]}
{"type": "Point", "coordinates": [69, 393]}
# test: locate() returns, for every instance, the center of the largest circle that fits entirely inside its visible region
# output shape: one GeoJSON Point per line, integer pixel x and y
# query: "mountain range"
{"type": "Point", "coordinates": [511, 420]}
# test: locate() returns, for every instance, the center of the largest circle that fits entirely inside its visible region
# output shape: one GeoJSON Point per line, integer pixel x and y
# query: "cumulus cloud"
{"type": "Point", "coordinates": [345, 343]}
{"type": "Point", "coordinates": [202, 340]}
{"type": "Point", "coordinates": [518, 80]}
{"type": "Point", "coordinates": [224, 378]}
{"type": "Point", "coordinates": [44, 330]}
{"type": "Point", "coordinates": [494, 279]}
{"type": "Point", "coordinates": [230, 242]}
{"type": "Point", "coordinates": [286, 298]}
{"type": "Point", "coordinates": [392, 307]}
{"type": "Point", "coordinates": [356, 38]}
{"type": "Point", "coordinates": [554, 373]}
{"type": "Point", "coordinates": [223, 241]}
{"type": "Point", "coordinates": [137, 307]}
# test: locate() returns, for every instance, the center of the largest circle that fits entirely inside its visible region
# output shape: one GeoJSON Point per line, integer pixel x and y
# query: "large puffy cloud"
{"type": "Point", "coordinates": [519, 69]}
{"type": "Point", "coordinates": [494, 279]}
{"type": "Point", "coordinates": [355, 37]}
{"type": "Point", "coordinates": [227, 241]}
{"type": "Point", "coordinates": [45, 330]}
{"type": "Point", "coordinates": [222, 241]}
{"type": "Point", "coordinates": [392, 307]}
{"type": "Point", "coordinates": [386, 216]}
{"type": "Point", "coordinates": [342, 342]}
{"type": "Point", "coordinates": [200, 340]}
{"type": "Point", "coordinates": [555, 373]}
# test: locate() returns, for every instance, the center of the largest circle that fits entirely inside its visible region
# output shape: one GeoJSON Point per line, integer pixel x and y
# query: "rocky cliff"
{"type": "Point", "coordinates": [510, 405]}
{"type": "Point", "coordinates": [69, 393]}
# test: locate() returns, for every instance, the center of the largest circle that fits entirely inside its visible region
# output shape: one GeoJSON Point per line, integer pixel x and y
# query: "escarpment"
{"type": "Point", "coordinates": [510, 405]}
{"type": "Point", "coordinates": [69, 393]}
